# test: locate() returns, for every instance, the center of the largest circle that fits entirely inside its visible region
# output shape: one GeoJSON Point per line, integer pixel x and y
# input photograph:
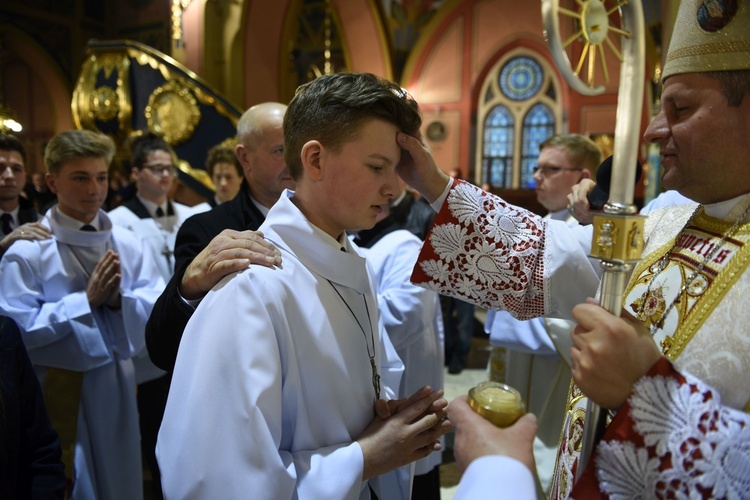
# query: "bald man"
{"type": "Point", "coordinates": [213, 244]}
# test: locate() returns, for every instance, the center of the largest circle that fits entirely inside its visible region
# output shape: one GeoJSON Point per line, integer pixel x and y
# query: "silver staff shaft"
{"type": "Point", "coordinates": [613, 284]}
{"type": "Point", "coordinates": [618, 217]}
{"type": "Point", "coordinates": [618, 232]}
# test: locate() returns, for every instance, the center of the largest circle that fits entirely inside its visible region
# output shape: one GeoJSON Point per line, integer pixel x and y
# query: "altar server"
{"type": "Point", "coordinates": [82, 299]}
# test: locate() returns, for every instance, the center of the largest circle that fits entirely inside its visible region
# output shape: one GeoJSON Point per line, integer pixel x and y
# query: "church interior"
{"type": "Point", "coordinates": [489, 88]}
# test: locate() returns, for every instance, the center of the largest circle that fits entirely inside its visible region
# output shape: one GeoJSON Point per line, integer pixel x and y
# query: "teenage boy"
{"type": "Point", "coordinates": [82, 299]}
{"type": "Point", "coordinates": [279, 400]}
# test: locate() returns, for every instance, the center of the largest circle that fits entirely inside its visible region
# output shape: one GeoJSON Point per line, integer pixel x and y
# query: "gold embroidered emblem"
{"type": "Point", "coordinates": [651, 306]}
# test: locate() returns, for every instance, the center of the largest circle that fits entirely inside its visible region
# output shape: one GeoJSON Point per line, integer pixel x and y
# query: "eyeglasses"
{"type": "Point", "coordinates": [161, 170]}
{"type": "Point", "coordinates": [550, 171]}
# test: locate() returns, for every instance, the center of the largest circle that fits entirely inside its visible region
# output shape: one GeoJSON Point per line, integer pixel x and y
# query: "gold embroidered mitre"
{"type": "Point", "coordinates": [709, 35]}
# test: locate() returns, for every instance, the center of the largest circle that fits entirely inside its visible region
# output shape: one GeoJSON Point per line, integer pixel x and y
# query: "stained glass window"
{"type": "Point", "coordinates": [519, 110]}
{"type": "Point", "coordinates": [521, 78]}
{"type": "Point", "coordinates": [497, 155]}
{"type": "Point", "coordinates": [538, 126]}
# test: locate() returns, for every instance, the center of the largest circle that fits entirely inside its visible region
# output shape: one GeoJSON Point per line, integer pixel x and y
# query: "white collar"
{"type": "Point", "coordinates": [559, 215]}
{"type": "Point", "coordinates": [68, 230]}
{"type": "Point", "coordinates": [152, 207]}
{"type": "Point", "coordinates": [338, 244]}
{"type": "Point", "coordinates": [729, 209]}
{"type": "Point", "coordinates": [288, 228]}
{"type": "Point", "coordinates": [64, 220]}
{"type": "Point", "coordinates": [263, 209]}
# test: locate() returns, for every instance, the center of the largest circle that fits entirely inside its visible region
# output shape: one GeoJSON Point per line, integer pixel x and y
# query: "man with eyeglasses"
{"type": "Point", "coordinates": [156, 219]}
{"type": "Point", "coordinates": [150, 213]}
{"type": "Point", "coordinates": [564, 161]}
{"type": "Point", "coordinates": [531, 362]}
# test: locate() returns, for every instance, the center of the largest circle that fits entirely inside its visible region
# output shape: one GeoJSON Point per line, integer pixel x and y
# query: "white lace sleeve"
{"type": "Point", "coordinates": [498, 256]}
{"type": "Point", "coordinates": [680, 442]}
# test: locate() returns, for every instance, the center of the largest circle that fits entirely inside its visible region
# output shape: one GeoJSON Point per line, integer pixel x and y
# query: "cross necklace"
{"type": "Point", "coordinates": [371, 355]}
{"type": "Point", "coordinates": [166, 251]}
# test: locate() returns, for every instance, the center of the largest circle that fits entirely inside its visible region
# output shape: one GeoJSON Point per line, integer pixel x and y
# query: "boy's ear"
{"type": "Point", "coordinates": [312, 159]}
{"type": "Point", "coordinates": [51, 182]}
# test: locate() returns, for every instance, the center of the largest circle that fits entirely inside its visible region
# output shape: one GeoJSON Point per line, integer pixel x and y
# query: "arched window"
{"type": "Point", "coordinates": [538, 126]}
{"type": "Point", "coordinates": [497, 158]}
{"type": "Point", "coordinates": [518, 110]}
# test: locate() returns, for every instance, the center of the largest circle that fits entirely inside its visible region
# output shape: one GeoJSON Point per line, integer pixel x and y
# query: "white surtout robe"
{"type": "Point", "coordinates": [412, 319]}
{"type": "Point", "coordinates": [159, 237]}
{"type": "Point", "coordinates": [44, 291]}
{"type": "Point", "coordinates": [499, 256]}
{"type": "Point", "coordinates": [272, 382]}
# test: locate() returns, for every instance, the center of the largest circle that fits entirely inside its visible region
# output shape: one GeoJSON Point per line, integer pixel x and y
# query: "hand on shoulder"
{"type": "Point", "coordinates": [29, 231]}
{"type": "Point", "coordinates": [230, 251]}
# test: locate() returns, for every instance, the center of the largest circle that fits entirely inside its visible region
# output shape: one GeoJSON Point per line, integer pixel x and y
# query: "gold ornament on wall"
{"type": "Point", "coordinates": [126, 87]}
{"type": "Point", "coordinates": [103, 103]}
{"type": "Point", "coordinates": [436, 131]}
{"type": "Point", "coordinates": [172, 112]}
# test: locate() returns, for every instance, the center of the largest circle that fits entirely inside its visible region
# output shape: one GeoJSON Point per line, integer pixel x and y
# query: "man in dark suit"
{"type": "Point", "coordinates": [30, 450]}
{"type": "Point", "coordinates": [213, 244]}
{"type": "Point", "coordinates": [17, 214]}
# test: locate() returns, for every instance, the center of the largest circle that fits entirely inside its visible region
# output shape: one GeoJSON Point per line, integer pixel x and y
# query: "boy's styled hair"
{"type": "Point", "coordinates": [332, 109]}
{"type": "Point", "coordinates": [146, 143]}
{"type": "Point", "coordinates": [10, 142]}
{"type": "Point", "coordinates": [73, 144]}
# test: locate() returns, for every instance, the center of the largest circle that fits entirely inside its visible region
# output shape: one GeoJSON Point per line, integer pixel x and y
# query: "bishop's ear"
{"type": "Point", "coordinates": [313, 159]}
